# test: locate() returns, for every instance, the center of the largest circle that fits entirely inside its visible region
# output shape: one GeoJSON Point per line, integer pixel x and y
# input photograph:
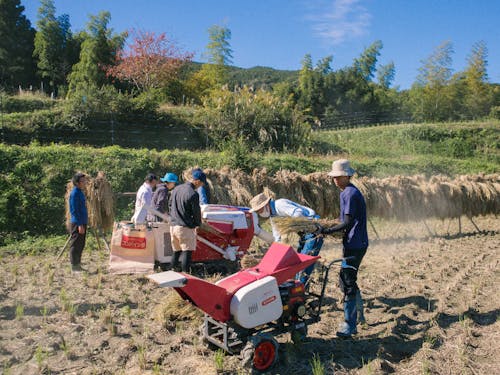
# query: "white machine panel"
{"type": "Point", "coordinates": [257, 303]}
{"type": "Point", "coordinates": [236, 217]}
{"type": "Point", "coordinates": [167, 279]}
{"type": "Point", "coordinates": [163, 247]}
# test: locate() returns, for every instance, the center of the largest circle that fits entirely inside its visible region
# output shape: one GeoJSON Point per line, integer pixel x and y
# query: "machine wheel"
{"type": "Point", "coordinates": [260, 352]}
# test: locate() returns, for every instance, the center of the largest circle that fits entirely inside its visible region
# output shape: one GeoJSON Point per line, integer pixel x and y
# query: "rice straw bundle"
{"type": "Point", "coordinates": [402, 198]}
{"type": "Point", "coordinates": [231, 187]}
{"type": "Point", "coordinates": [287, 225]}
{"type": "Point", "coordinates": [172, 307]}
{"type": "Point", "coordinates": [69, 187]}
{"type": "Point", "coordinates": [100, 202]}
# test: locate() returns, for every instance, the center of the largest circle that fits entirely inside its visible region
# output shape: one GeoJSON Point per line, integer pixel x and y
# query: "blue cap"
{"type": "Point", "coordinates": [170, 177]}
{"type": "Point", "coordinates": [199, 175]}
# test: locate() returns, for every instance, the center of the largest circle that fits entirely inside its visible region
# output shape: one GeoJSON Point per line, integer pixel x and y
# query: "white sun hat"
{"type": "Point", "coordinates": [341, 167]}
{"type": "Point", "coordinates": [258, 202]}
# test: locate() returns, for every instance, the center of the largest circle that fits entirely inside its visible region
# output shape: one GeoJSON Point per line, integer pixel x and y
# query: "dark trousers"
{"type": "Point", "coordinates": [76, 244]}
{"type": "Point", "coordinates": [349, 272]}
{"type": "Point", "coordinates": [185, 260]}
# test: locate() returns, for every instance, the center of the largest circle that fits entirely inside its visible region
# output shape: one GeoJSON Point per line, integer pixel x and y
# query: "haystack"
{"type": "Point", "coordinates": [100, 202]}
{"type": "Point", "coordinates": [401, 198]}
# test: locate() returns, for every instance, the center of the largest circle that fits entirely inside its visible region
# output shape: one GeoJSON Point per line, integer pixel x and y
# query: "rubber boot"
{"type": "Point", "coordinates": [348, 328]}
{"type": "Point", "coordinates": [359, 307]}
{"type": "Point", "coordinates": [186, 261]}
{"type": "Point", "coordinates": [175, 261]}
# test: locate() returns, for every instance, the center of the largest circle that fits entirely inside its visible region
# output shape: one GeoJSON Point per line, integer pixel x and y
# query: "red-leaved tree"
{"type": "Point", "coordinates": [150, 61]}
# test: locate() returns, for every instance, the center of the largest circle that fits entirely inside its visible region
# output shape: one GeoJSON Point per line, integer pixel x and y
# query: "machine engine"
{"type": "Point", "coordinates": [293, 298]}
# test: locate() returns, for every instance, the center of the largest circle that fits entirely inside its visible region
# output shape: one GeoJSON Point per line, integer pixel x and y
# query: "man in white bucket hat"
{"type": "Point", "coordinates": [355, 243]}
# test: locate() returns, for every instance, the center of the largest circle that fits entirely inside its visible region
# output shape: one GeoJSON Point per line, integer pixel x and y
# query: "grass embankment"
{"type": "Point", "coordinates": [33, 178]}
{"type": "Point", "coordinates": [450, 149]}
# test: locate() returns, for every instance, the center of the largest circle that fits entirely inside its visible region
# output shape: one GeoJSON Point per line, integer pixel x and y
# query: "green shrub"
{"type": "Point", "coordinates": [33, 178]}
{"type": "Point", "coordinates": [25, 103]}
{"type": "Point", "coordinates": [263, 121]}
{"type": "Point", "coordinates": [495, 112]}
{"type": "Point", "coordinates": [30, 122]}
{"type": "Point", "coordinates": [236, 154]}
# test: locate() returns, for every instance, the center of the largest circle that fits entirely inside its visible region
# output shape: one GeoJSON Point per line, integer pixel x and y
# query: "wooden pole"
{"type": "Point", "coordinates": [448, 229]}
{"type": "Point", "coordinates": [373, 227]}
{"type": "Point", "coordinates": [64, 247]}
{"type": "Point", "coordinates": [477, 228]}
{"type": "Point", "coordinates": [97, 239]}
{"type": "Point", "coordinates": [428, 229]}
{"type": "Point", "coordinates": [101, 234]}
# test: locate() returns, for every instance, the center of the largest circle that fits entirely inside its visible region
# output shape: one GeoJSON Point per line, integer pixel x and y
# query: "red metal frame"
{"type": "Point", "coordinates": [223, 235]}
{"type": "Point", "coordinates": [281, 261]}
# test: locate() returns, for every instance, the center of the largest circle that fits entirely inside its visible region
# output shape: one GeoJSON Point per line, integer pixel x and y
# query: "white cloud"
{"type": "Point", "coordinates": [340, 20]}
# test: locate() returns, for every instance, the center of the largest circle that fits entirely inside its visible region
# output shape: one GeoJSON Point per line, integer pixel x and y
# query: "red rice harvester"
{"type": "Point", "coordinates": [222, 240]}
{"type": "Point", "coordinates": [244, 311]}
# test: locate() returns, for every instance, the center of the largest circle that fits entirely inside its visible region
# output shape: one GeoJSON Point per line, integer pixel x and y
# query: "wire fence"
{"type": "Point", "coordinates": [346, 120]}
{"type": "Point", "coordinates": [149, 131]}
{"type": "Point", "coordinates": [130, 130]}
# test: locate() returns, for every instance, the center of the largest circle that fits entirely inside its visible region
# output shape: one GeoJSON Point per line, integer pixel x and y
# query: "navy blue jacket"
{"type": "Point", "coordinates": [77, 207]}
{"type": "Point", "coordinates": [185, 206]}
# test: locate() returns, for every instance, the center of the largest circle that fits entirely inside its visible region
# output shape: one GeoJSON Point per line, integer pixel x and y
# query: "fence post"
{"type": "Point", "coordinates": [112, 129]}
{"type": "Point", "coordinates": [1, 114]}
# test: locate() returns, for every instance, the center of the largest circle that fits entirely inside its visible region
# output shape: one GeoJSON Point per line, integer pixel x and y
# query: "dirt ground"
{"type": "Point", "coordinates": [432, 307]}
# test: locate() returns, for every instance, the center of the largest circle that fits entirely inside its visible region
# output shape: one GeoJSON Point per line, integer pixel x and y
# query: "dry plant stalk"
{"type": "Point", "coordinates": [287, 225]}
{"type": "Point", "coordinates": [173, 307]}
{"type": "Point", "coordinates": [402, 198]}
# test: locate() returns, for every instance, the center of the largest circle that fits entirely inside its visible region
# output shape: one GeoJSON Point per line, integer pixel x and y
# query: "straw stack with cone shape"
{"type": "Point", "coordinates": [100, 202]}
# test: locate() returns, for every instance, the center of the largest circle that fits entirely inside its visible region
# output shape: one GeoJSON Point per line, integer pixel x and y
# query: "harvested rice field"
{"type": "Point", "coordinates": [431, 295]}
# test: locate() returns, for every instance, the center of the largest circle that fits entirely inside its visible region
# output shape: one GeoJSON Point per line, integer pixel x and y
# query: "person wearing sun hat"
{"type": "Point", "coordinates": [309, 243]}
{"type": "Point", "coordinates": [161, 195]}
{"type": "Point", "coordinates": [354, 241]}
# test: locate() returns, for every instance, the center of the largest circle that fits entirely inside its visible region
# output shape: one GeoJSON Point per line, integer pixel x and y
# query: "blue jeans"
{"type": "Point", "coordinates": [309, 244]}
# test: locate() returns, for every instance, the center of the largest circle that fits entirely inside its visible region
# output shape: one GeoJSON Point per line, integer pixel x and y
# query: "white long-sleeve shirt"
{"type": "Point", "coordinates": [143, 197]}
{"type": "Point", "coordinates": [287, 208]}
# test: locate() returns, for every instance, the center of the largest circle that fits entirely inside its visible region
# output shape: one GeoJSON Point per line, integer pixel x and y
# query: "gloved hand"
{"type": "Point", "coordinates": [329, 230]}
{"type": "Point", "coordinates": [319, 229]}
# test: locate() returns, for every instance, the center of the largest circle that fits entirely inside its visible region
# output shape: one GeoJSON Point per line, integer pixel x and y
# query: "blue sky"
{"type": "Point", "coordinates": [278, 33]}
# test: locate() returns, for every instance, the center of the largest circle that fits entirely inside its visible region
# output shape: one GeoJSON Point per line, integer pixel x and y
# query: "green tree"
{"type": "Point", "coordinates": [478, 98]}
{"type": "Point", "coordinates": [431, 94]}
{"type": "Point", "coordinates": [306, 84]}
{"type": "Point", "coordinates": [16, 45]}
{"type": "Point", "coordinates": [98, 51]}
{"type": "Point", "coordinates": [312, 91]}
{"type": "Point", "coordinates": [367, 62]}
{"type": "Point", "coordinates": [219, 50]}
{"type": "Point", "coordinates": [385, 75]}
{"type": "Point", "coordinates": [52, 40]}
{"type": "Point", "coordinates": [219, 55]}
